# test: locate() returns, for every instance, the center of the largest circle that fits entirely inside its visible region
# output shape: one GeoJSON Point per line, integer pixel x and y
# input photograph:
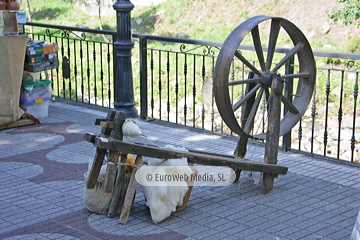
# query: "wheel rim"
{"type": "Point", "coordinates": [260, 82]}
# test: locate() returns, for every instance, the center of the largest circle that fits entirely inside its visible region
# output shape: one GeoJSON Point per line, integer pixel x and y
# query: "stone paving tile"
{"type": "Point", "coordinates": [328, 231]}
{"type": "Point", "coordinates": [240, 217]}
{"type": "Point", "coordinates": [314, 213]}
{"type": "Point", "coordinates": [249, 232]}
{"type": "Point", "coordinates": [268, 211]}
{"type": "Point", "coordinates": [196, 229]}
{"type": "Point", "coordinates": [223, 224]}
{"type": "Point", "coordinates": [348, 223]}
{"type": "Point", "coordinates": [351, 213]}
{"type": "Point", "coordinates": [301, 234]}
{"type": "Point", "coordinates": [265, 225]}
{"type": "Point", "coordinates": [237, 230]}
{"type": "Point", "coordinates": [288, 231]}
{"type": "Point", "coordinates": [341, 234]}
{"type": "Point", "coordinates": [277, 228]}
{"type": "Point", "coordinates": [329, 218]}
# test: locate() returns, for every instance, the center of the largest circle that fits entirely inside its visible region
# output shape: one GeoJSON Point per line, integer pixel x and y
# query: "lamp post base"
{"type": "Point", "coordinates": [131, 111]}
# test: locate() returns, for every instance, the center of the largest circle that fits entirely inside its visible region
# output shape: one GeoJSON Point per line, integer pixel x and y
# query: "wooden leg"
{"type": "Point", "coordinates": [130, 193]}
{"type": "Point", "coordinates": [268, 182]}
{"type": "Point", "coordinates": [237, 175]}
{"type": "Point", "coordinates": [240, 151]}
{"type": "Point", "coordinates": [273, 131]}
{"type": "Point", "coordinates": [99, 156]}
{"type": "Point", "coordinates": [95, 169]}
{"type": "Point", "coordinates": [241, 146]}
{"type": "Point", "coordinates": [111, 173]}
{"type": "Point", "coordinates": [120, 179]}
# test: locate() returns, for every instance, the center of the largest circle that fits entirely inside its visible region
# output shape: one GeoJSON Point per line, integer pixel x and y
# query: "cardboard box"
{"type": "Point", "coordinates": [21, 19]}
{"type": "Point", "coordinates": [51, 48]}
{"type": "Point", "coordinates": [10, 25]}
{"type": "Point", "coordinates": [40, 58]}
{"type": "Point", "coordinates": [41, 47]}
{"type": "Point", "coordinates": [33, 59]}
{"type": "Point", "coordinates": [34, 49]}
{"type": "Point", "coordinates": [41, 66]}
{"type": "Point", "coordinates": [51, 57]}
{"type": "Point", "coordinates": [21, 16]}
{"type": "Point", "coordinates": [21, 29]}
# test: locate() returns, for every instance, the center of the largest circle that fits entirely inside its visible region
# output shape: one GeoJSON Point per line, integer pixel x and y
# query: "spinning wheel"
{"type": "Point", "coordinates": [260, 83]}
{"type": "Point", "coordinates": [264, 84]}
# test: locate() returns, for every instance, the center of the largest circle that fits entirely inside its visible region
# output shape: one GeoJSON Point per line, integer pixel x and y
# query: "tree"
{"type": "Point", "coordinates": [349, 14]}
{"type": "Point", "coordinates": [28, 10]}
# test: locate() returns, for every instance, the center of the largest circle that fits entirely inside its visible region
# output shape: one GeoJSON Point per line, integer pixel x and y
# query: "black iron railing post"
{"type": "Point", "coordinates": [143, 79]}
{"type": "Point", "coordinates": [123, 84]}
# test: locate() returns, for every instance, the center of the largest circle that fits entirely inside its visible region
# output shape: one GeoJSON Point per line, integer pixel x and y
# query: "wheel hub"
{"type": "Point", "coordinates": [267, 78]}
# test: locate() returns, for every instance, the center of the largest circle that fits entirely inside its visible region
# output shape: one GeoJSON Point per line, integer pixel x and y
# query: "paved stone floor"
{"type": "Point", "coordinates": [42, 185]}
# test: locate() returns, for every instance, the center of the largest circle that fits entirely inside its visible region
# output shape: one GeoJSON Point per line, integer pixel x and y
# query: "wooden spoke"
{"type": "Point", "coordinates": [274, 33]}
{"type": "Point", "coordinates": [296, 75]}
{"type": "Point", "coordinates": [288, 104]}
{"type": "Point", "coordinates": [258, 48]}
{"type": "Point", "coordinates": [250, 80]}
{"type": "Point", "coordinates": [250, 119]}
{"type": "Point", "coordinates": [291, 53]}
{"type": "Point", "coordinates": [245, 98]}
{"type": "Point", "coordinates": [247, 63]}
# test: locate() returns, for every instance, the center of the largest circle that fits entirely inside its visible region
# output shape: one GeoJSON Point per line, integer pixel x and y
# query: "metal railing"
{"type": "Point", "coordinates": [86, 58]}
{"type": "Point", "coordinates": [173, 82]}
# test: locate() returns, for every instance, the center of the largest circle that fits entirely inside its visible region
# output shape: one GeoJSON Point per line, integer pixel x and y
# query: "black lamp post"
{"type": "Point", "coordinates": [124, 89]}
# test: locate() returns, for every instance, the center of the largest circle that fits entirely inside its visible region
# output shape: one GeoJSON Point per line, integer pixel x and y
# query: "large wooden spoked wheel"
{"type": "Point", "coordinates": [261, 75]}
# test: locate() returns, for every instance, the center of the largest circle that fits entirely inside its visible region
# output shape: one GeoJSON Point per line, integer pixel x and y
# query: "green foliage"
{"type": "Point", "coordinates": [330, 60]}
{"type": "Point", "coordinates": [349, 14]}
{"type": "Point", "coordinates": [353, 45]}
{"type": "Point", "coordinates": [149, 18]}
{"type": "Point", "coordinates": [245, 14]}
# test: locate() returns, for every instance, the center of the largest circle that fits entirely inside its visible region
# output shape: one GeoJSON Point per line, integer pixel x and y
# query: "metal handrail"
{"type": "Point", "coordinates": [317, 53]}
{"type": "Point", "coordinates": [76, 29]}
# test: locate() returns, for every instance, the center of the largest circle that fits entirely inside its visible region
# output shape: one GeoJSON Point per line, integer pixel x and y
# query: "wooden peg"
{"type": "Point", "coordinates": [110, 117]}
{"type": "Point", "coordinates": [99, 120]}
{"type": "Point", "coordinates": [119, 119]}
{"type": "Point", "coordinates": [105, 124]}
